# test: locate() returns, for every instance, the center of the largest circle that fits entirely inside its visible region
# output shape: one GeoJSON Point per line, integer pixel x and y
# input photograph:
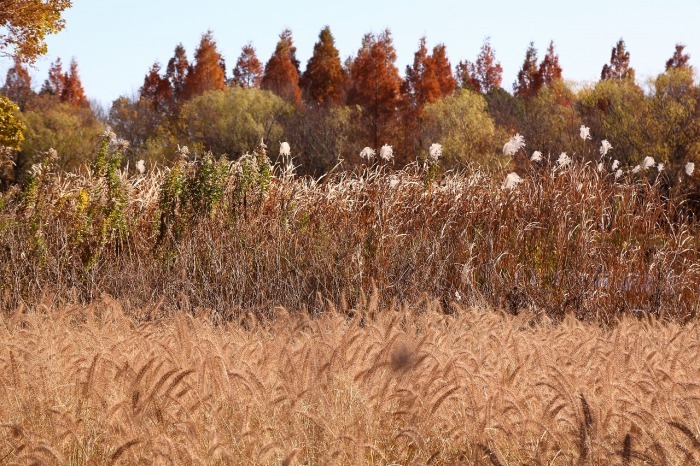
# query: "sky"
{"type": "Point", "coordinates": [115, 42]}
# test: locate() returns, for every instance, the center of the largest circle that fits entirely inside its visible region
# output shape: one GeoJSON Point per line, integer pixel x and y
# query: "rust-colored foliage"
{"type": "Point", "coordinates": [18, 84]}
{"type": "Point", "coordinates": [73, 92]}
{"type": "Point", "coordinates": [421, 85]}
{"type": "Point", "coordinates": [619, 67]}
{"type": "Point", "coordinates": [549, 71]}
{"type": "Point", "coordinates": [485, 75]}
{"type": "Point", "coordinates": [156, 90]}
{"type": "Point", "coordinates": [679, 59]}
{"type": "Point", "coordinates": [176, 73]}
{"type": "Point", "coordinates": [375, 85]}
{"type": "Point", "coordinates": [206, 74]}
{"type": "Point", "coordinates": [443, 70]}
{"type": "Point", "coordinates": [466, 76]}
{"type": "Point", "coordinates": [248, 72]}
{"type": "Point", "coordinates": [428, 80]}
{"type": "Point", "coordinates": [527, 82]}
{"type": "Point", "coordinates": [282, 70]}
{"type": "Point", "coordinates": [54, 84]}
{"type": "Point", "coordinates": [324, 82]}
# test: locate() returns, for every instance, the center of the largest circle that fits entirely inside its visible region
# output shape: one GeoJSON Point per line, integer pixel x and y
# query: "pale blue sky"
{"type": "Point", "coordinates": [115, 42]}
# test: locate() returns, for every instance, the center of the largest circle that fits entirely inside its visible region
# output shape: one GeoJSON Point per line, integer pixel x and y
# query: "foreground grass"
{"type": "Point", "coordinates": [93, 385]}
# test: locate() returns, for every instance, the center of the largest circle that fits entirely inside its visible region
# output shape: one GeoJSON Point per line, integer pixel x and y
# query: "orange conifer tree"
{"type": "Point", "coordinates": [549, 71]}
{"type": "Point", "coordinates": [325, 80]}
{"type": "Point", "coordinates": [485, 75]}
{"type": "Point", "coordinates": [375, 84]}
{"type": "Point", "coordinates": [421, 85]}
{"type": "Point", "coordinates": [443, 70]}
{"type": "Point", "coordinates": [54, 84]}
{"type": "Point", "coordinates": [282, 70]}
{"type": "Point", "coordinates": [527, 83]}
{"type": "Point", "coordinates": [156, 90]}
{"type": "Point", "coordinates": [206, 74]}
{"type": "Point", "coordinates": [73, 92]}
{"type": "Point", "coordinates": [248, 71]}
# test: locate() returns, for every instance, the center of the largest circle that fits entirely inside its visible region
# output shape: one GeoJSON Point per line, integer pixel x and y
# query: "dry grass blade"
{"type": "Point", "coordinates": [122, 449]}
{"type": "Point", "coordinates": [189, 389]}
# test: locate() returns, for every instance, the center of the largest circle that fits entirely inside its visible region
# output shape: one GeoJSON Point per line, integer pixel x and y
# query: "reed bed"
{"type": "Point", "coordinates": [225, 235]}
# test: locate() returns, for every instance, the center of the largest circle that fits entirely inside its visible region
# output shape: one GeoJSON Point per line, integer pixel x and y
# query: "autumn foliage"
{"type": "Point", "coordinates": [207, 72]}
{"type": "Point", "coordinates": [340, 106]}
{"type": "Point", "coordinates": [375, 85]}
{"type": "Point", "coordinates": [281, 74]}
{"type": "Point", "coordinates": [324, 82]}
{"type": "Point", "coordinates": [248, 72]}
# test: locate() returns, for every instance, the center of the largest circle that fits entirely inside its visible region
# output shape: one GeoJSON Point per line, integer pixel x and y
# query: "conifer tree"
{"type": "Point", "coordinates": [18, 84]}
{"type": "Point", "coordinates": [466, 76]}
{"type": "Point", "coordinates": [281, 74]}
{"type": "Point", "coordinates": [421, 85]}
{"type": "Point", "coordinates": [375, 84]}
{"type": "Point", "coordinates": [619, 67]}
{"type": "Point", "coordinates": [156, 90]}
{"type": "Point", "coordinates": [54, 84]}
{"type": "Point", "coordinates": [176, 73]}
{"type": "Point", "coordinates": [549, 71]}
{"type": "Point", "coordinates": [485, 75]}
{"type": "Point", "coordinates": [325, 80]}
{"type": "Point", "coordinates": [443, 70]}
{"type": "Point", "coordinates": [427, 81]}
{"type": "Point", "coordinates": [679, 59]}
{"type": "Point", "coordinates": [206, 74]}
{"type": "Point", "coordinates": [527, 82]}
{"type": "Point", "coordinates": [248, 71]}
{"type": "Point", "coordinates": [73, 92]}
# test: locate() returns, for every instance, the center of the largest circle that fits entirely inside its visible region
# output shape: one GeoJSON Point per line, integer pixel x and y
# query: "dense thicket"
{"type": "Point", "coordinates": [565, 237]}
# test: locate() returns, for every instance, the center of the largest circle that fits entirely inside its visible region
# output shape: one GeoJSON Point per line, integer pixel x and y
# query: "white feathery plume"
{"type": "Point", "coordinates": [511, 181]}
{"type": "Point", "coordinates": [585, 132]}
{"type": "Point", "coordinates": [563, 160]}
{"type": "Point", "coordinates": [434, 153]}
{"type": "Point", "coordinates": [368, 153]}
{"type": "Point", "coordinates": [516, 143]}
{"type": "Point", "coordinates": [285, 150]}
{"type": "Point", "coordinates": [386, 153]}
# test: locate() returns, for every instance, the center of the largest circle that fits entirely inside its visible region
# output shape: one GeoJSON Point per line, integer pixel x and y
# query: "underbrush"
{"type": "Point", "coordinates": [208, 233]}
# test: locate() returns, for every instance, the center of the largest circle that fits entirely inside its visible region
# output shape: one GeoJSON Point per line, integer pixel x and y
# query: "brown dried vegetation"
{"type": "Point", "coordinates": [95, 385]}
{"type": "Point", "coordinates": [220, 235]}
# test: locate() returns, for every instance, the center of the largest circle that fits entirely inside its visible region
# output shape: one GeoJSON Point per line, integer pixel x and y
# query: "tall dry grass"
{"type": "Point", "coordinates": [94, 385]}
{"type": "Point", "coordinates": [232, 235]}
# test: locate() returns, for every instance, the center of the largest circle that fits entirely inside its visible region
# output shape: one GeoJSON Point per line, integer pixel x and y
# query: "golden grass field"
{"type": "Point", "coordinates": [100, 385]}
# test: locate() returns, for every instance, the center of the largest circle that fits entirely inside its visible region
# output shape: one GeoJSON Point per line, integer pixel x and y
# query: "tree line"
{"type": "Point", "coordinates": [333, 108]}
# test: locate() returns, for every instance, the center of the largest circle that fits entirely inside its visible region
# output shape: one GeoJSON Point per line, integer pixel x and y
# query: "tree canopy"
{"type": "Point", "coordinates": [24, 25]}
